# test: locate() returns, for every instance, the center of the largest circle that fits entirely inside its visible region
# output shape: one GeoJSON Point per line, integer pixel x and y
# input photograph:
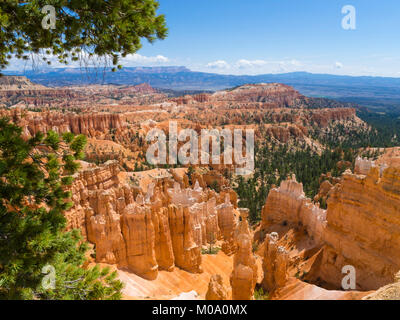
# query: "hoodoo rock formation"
{"type": "Point", "coordinates": [164, 227]}
{"type": "Point", "coordinates": [228, 224]}
{"type": "Point", "coordinates": [244, 276]}
{"type": "Point", "coordinates": [275, 264]}
{"type": "Point", "coordinates": [139, 235]}
{"type": "Point", "coordinates": [187, 253]}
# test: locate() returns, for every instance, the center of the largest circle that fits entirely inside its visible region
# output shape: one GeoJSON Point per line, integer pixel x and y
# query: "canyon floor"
{"type": "Point", "coordinates": [169, 285]}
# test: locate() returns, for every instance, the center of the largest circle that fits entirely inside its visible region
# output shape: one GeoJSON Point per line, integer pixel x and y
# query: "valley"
{"type": "Point", "coordinates": [324, 193]}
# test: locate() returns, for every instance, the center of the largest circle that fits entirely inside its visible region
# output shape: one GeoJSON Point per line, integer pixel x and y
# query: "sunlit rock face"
{"type": "Point", "coordinates": [288, 204]}
{"type": "Point", "coordinates": [205, 222]}
{"type": "Point", "coordinates": [244, 275]}
{"type": "Point", "coordinates": [163, 224]}
{"type": "Point", "coordinates": [227, 222]}
{"type": "Point", "coordinates": [163, 242]}
{"type": "Point", "coordinates": [275, 264]}
{"type": "Point", "coordinates": [388, 292]}
{"type": "Point", "coordinates": [187, 253]}
{"type": "Point", "coordinates": [139, 235]}
{"type": "Point", "coordinates": [360, 228]}
{"type": "Point", "coordinates": [363, 228]}
{"type": "Point", "coordinates": [144, 232]}
{"type": "Point", "coordinates": [216, 289]}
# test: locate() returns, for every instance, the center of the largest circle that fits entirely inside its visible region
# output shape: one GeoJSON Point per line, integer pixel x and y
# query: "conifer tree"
{"type": "Point", "coordinates": [38, 259]}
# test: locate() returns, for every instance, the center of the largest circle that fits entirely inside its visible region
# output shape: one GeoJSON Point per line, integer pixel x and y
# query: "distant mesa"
{"type": "Point", "coordinates": [18, 83]}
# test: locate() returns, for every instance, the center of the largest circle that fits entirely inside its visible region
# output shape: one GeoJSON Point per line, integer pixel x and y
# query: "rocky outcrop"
{"type": "Point", "coordinates": [227, 222]}
{"type": "Point", "coordinates": [389, 292]}
{"type": "Point", "coordinates": [18, 83]}
{"type": "Point", "coordinates": [92, 125]}
{"type": "Point", "coordinates": [363, 228]}
{"type": "Point", "coordinates": [19, 90]}
{"type": "Point", "coordinates": [89, 193]}
{"type": "Point", "coordinates": [163, 242]}
{"type": "Point", "coordinates": [103, 226]}
{"type": "Point", "coordinates": [216, 289]}
{"type": "Point", "coordinates": [285, 133]}
{"type": "Point", "coordinates": [363, 165]}
{"type": "Point", "coordinates": [187, 253]}
{"type": "Point", "coordinates": [244, 275]}
{"type": "Point", "coordinates": [288, 204]}
{"type": "Point", "coordinates": [205, 222]}
{"type": "Point", "coordinates": [324, 189]}
{"type": "Point", "coordinates": [186, 197]}
{"type": "Point", "coordinates": [278, 95]}
{"type": "Point", "coordinates": [325, 116]}
{"type": "Point", "coordinates": [275, 264]}
{"type": "Point", "coordinates": [139, 235]}
{"type": "Point", "coordinates": [360, 228]}
{"type": "Point", "coordinates": [185, 100]}
{"type": "Point", "coordinates": [299, 290]}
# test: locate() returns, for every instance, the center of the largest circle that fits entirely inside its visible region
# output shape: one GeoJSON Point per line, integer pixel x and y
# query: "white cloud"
{"type": "Point", "coordinates": [219, 64]}
{"type": "Point", "coordinates": [139, 59]}
{"type": "Point", "coordinates": [338, 65]}
{"type": "Point", "coordinates": [243, 63]}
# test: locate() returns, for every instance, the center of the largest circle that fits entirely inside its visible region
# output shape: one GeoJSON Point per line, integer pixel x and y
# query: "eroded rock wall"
{"type": "Point", "coordinates": [360, 228]}
{"type": "Point", "coordinates": [288, 204]}
{"type": "Point", "coordinates": [91, 125]}
{"type": "Point", "coordinates": [363, 228]}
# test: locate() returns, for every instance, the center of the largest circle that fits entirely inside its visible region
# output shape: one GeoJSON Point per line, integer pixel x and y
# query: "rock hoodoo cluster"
{"type": "Point", "coordinates": [164, 227]}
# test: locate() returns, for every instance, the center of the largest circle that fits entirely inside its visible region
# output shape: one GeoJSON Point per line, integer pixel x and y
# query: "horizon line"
{"type": "Point", "coordinates": [47, 70]}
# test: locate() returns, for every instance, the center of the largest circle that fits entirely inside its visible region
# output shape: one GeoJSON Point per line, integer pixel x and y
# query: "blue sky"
{"type": "Point", "coordinates": [274, 36]}
{"type": "Point", "coordinates": [280, 36]}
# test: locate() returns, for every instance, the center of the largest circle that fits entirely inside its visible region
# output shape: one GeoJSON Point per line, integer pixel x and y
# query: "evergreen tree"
{"type": "Point", "coordinates": [38, 259]}
{"type": "Point", "coordinates": [82, 29]}
{"type": "Point", "coordinates": [189, 173]}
